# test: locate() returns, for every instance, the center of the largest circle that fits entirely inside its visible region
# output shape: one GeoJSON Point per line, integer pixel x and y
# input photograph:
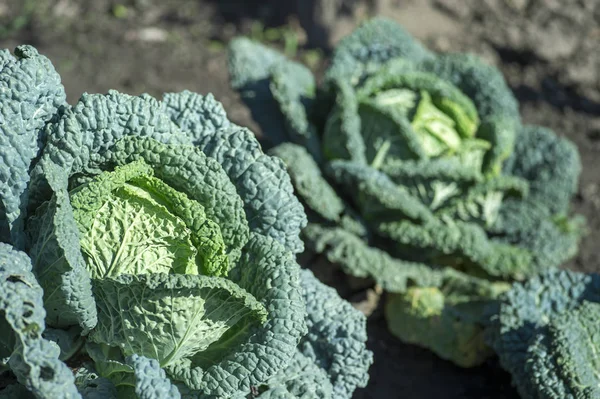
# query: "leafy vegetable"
{"type": "Point", "coordinates": [159, 246]}
{"type": "Point", "coordinates": [546, 336]}
{"type": "Point", "coordinates": [33, 359]}
{"type": "Point", "coordinates": [415, 170]}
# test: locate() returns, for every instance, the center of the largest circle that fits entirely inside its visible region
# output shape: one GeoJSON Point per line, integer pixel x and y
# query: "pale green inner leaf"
{"type": "Point", "coordinates": [170, 317]}
{"type": "Point", "coordinates": [440, 124]}
{"type": "Point", "coordinates": [133, 223]}
{"type": "Point", "coordinates": [132, 234]}
{"type": "Point", "coordinates": [437, 130]}
{"type": "Point", "coordinates": [403, 99]}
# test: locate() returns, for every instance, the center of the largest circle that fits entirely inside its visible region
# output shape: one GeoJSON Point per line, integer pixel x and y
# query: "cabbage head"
{"type": "Point", "coordinates": [415, 171]}
{"type": "Point", "coordinates": [150, 246]}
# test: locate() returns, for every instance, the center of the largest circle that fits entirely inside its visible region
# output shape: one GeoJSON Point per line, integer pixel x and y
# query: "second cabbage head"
{"type": "Point", "coordinates": [416, 171]}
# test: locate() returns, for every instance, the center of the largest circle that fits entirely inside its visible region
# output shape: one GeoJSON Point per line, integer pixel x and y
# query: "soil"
{"type": "Point", "coordinates": [549, 52]}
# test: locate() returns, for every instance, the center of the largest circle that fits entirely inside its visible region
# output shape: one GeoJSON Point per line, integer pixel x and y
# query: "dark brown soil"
{"type": "Point", "coordinates": [548, 51]}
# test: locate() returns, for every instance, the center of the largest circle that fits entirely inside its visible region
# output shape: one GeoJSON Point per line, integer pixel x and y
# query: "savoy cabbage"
{"type": "Point", "coordinates": [150, 247]}
{"type": "Point", "coordinates": [545, 334]}
{"type": "Point", "coordinates": [415, 170]}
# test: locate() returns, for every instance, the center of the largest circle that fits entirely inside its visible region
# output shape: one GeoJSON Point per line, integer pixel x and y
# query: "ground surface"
{"type": "Point", "coordinates": [548, 49]}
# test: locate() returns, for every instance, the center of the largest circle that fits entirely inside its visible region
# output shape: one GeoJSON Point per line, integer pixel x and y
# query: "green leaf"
{"type": "Point", "coordinates": [359, 259]}
{"type": "Point", "coordinates": [30, 94]}
{"type": "Point", "coordinates": [449, 318]}
{"type": "Point", "coordinates": [302, 378]}
{"type": "Point", "coordinates": [464, 246]}
{"type": "Point", "coordinates": [336, 339]}
{"type": "Point", "coordinates": [263, 183]}
{"type": "Point", "coordinates": [552, 240]}
{"type": "Point", "coordinates": [545, 334]}
{"type": "Point", "coordinates": [421, 316]}
{"type": "Point", "coordinates": [278, 91]}
{"type": "Point", "coordinates": [33, 359]}
{"type": "Point", "coordinates": [342, 131]}
{"type": "Point", "coordinates": [169, 317]}
{"type": "Point", "coordinates": [196, 115]}
{"type": "Point", "coordinates": [331, 360]}
{"type": "Point", "coordinates": [481, 203]}
{"type": "Point", "coordinates": [550, 164]}
{"type": "Point", "coordinates": [133, 223]}
{"type": "Point", "coordinates": [309, 183]}
{"type": "Point", "coordinates": [496, 105]}
{"type": "Point", "coordinates": [564, 362]}
{"type": "Point", "coordinates": [447, 170]}
{"type": "Point", "coordinates": [69, 341]}
{"type": "Point", "coordinates": [377, 198]}
{"type": "Point", "coordinates": [150, 380]}
{"type": "Point", "coordinates": [293, 87]}
{"type": "Point", "coordinates": [432, 95]}
{"type": "Point", "coordinates": [248, 357]}
{"type": "Point", "coordinates": [409, 230]}
{"type": "Point", "coordinates": [59, 265]}
{"type": "Point", "coordinates": [82, 138]}
{"type": "Point", "coordinates": [372, 45]}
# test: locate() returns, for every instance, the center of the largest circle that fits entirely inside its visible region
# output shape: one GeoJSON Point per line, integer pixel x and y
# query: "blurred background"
{"type": "Point", "coordinates": [549, 51]}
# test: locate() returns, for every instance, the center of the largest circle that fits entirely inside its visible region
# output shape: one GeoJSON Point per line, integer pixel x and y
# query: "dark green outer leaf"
{"type": "Point", "coordinates": [336, 339]}
{"type": "Point", "coordinates": [359, 259]}
{"type": "Point", "coordinates": [293, 87]}
{"type": "Point", "coordinates": [30, 94]}
{"type": "Point", "coordinates": [278, 91]}
{"type": "Point", "coordinates": [302, 378]}
{"type": "Point", "coordinates": [332, 359]}
{"type": "Point", "coordinates": [260, 180]}
{"type": "Point", "coordinates": [309, 183]}
{"type": "Point", "coordinates": [197, 116]}
{"type": "Point", "coordinates": [92, 386]}
{"type": "Point", "coordinates": [520, 335]}
{"type": "Point", "coordinates": [563, 362]}
{"type": "Point", "coordinates": [60, 267]}
{"type": "Point", "coordinates": [151, 381]}
{"type": "Point", "coordinates": [16, 391]}
{"type": "Point", "coordinates": [33, 359]}
{"type": "Point", "coordinates": [444, 169]}
{"type": "Point", "coordinates": [369, 47]}
{"type": "Point", "coordinates": [270, 273]}
{"type": "Point", "coordinates": [550, 164]}
{"type": "Point", "coordinates": [377, 198]}
{"type": "Point", "coordinates": [457, 244]}
{"type": "Point", "coordinates": [341, 137]}
{"type": "Point", "coordinates": [528, 224]}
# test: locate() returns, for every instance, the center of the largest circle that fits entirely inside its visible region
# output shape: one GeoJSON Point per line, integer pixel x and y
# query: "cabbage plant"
{"type": "Point", "coordinates": [148, 250]}
{"type": "Point", "coordinates": [545, 335]}
{"type": "Point", "coordinates": [415, 171]}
